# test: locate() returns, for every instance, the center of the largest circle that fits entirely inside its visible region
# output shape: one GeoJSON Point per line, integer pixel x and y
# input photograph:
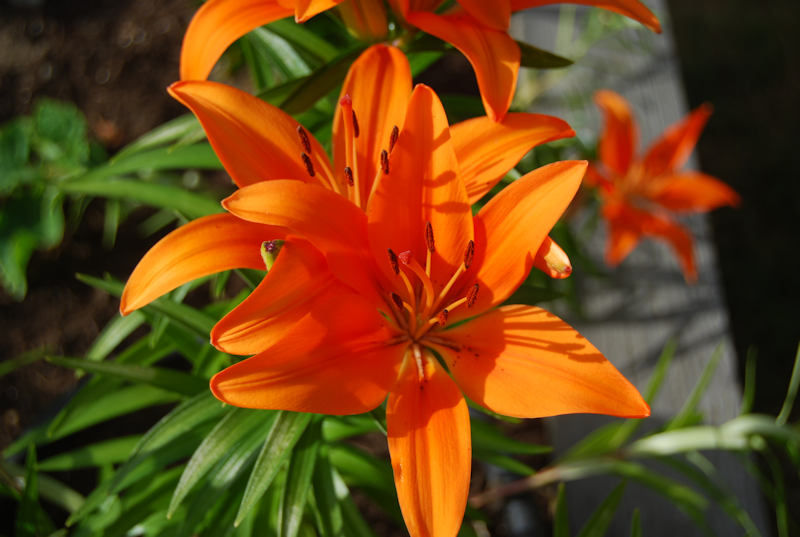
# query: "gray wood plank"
{"type": "Point", "coordinates": [645, 302]}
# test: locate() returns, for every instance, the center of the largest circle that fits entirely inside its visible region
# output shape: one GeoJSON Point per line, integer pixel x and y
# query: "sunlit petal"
{"type": "Point", "coordinates": [630, 8]}
{"type": "Point", "coordinates": [204, 246]}
{"type": "Point", "coordinates": [216, 25]}
{"type": "Point", "coordinates": [552, 260]}
{"type": "Point", "coordinates": [692, 191]}
{"type": "Point", "coordinates": [495, 14]}
{"type": "Point", "coordinates": [255, 141]}
{"type": "Point", "coordinates": [334, 361]}
{"type": "Point", "coordinates": [487, 150]}
{"type": "Point", "coordinates": [305, 9]}
{"type": "Point", "coordinates": [429, 442]}
{"type": "Point", "coordinates": [524, 361]}
{"type": "Point", "coordinates": [618, 139]}
{"type": "Point", "coordinates": [494, 56]}
{"type": "Point", "coordinates": [673, 148]}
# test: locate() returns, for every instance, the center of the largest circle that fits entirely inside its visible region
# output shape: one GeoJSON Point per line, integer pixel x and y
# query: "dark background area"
{"type": "Point", "coordinates": [114, 59]}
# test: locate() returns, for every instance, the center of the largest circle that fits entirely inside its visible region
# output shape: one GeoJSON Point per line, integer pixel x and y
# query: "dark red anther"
{"type": "Point", "coordinates": [472, 296]}
{"type": "Point", "coordinates": [301, 132]}
{"type": "Point", "coordinates": [397, 300]}
{"type": "Point", "coordinates": [308, 163]}
{"type": "Point", "coordinates": [393, 261]}
{"type": "Point", "coordinates": [442, 317]}
{"type": "Point", "coordinates": [356, 130]}
{"type": "Point", "coordinates": [393, 137]}
{"type": "Point", "coordinates": [469, 253]}
{"type": "Point", "coordinates": [348, 174]}
{"type": "Point", "coordinates": [429, 242]}
{"type": "Point", "coordinates": [385, 162]}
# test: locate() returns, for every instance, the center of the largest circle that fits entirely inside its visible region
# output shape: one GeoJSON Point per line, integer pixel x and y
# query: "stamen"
{"type": "Point", "coordinates": [351, 132]}
{"type": "Point", "coordinates": [442, 317]}
{"type": "Point", "coordinates": [397, 300]}
{"type": "Point", "coordinates": [346, 100]}
{"type": "Point", "coordinates": [348, 174]}
{"type": "Point", "coordinates": [393, 137]}
{"type": "Point", "coordinates": [356, 130]}
{"type": "Point", "coordinates": [308, 163]}
{"type": "Point", "coordinates": [385, 162]}
{"type": "Point", "coordinates": [301, 132]}
{"type": "Point", "coordinates": [469, 254]}
{"type": "Point", "coordinates": [393, 260]}
{"type": "Point", "coordinates": [472, 296]}
{"type": "Point", "coordinates": [429, 242]}
{"type": "Point", "coordinates": [408, 260]}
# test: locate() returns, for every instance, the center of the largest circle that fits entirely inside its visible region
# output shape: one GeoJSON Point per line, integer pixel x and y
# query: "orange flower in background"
{"type": "Point", "coordinates": [477, 28]}
{"type": "Point", "coordinates": [639, 193]}
{"type": "Point", "coordinates": [380, 267]}
{"type": "Point", "coordinates": [259, 142]}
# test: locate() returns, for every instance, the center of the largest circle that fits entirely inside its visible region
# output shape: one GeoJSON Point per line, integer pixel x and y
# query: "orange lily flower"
{"type": "Point", "coordinates": [259, 142]}
{"type": "Point", "coordinates": [362, 309]}
{"type": "Point", "coordinates": [638, 193]}
{"type": "Point", "coordinates": [477, 28]}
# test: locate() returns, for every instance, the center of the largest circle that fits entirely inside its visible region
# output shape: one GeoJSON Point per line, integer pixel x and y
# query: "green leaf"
{"type": "Point", "coordinates": [336, 428]}
{"type": "Point", "coordinates": [686, 414]}
{"type": "Point", "coordinates": [539, 58]}
{"type": "Point", "coordinates": [60, 132]}
{"type": "Point", "coordinates": [486, 437]}
{"type": "Point", "coordinates": [749, 390]}
{"type": "Point", "coordinates": [325, 497]}
{"type": "Point", "coordinates": [166, 379]}
{"type": "Point", "coordinates": [561, 517]}
{"type": "Point", "coordinates": [49, 489]}
{"type": "Point", "coordinates": [114, 333]}
{"type": "Point", "coordinates": [278, 52]}
{"type": "Point", "coordinates": [598, 523]}
{"type": "Point", "coordinates": [281, 439]}
{"type": "Point", "coordinates": [169, 132]}
{"type": "Point", "coordinates": [190, 204]}
{"type": "Point", "coordinates": [364, 471]}
{"type": "Point", "coordinates": [306, 40]}
{"type": "Point", "coordinates": [10, 365]}
{"type": "Point", "coordinates": [230, 430]}
{"type": "Point", "coordinates": [110, 451]}
{"type": "Point", "coordinates": [28, 513]}
{"type": "Point", "coordinates": [319, 83]}
{"type": "Point", "coordinates": [353, 521]}
{"type": "Point", "coordinates": [791, 392]}
{"type": "Point", "coordinates": [636, 523]}
{"type": "Point", "coordinates": [299, 474]}
{"type": "Point", "coordinates": [111, 220]}
{"type": "Point", "coordinates": [503, 461]}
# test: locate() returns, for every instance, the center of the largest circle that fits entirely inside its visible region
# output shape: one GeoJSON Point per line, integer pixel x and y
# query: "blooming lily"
{"type": "Point", "coordinates": [259, 142]}
{"type": "Point", "coordinates": [477, 28]}
{"type": "Point", "coordinates": [637, 192]}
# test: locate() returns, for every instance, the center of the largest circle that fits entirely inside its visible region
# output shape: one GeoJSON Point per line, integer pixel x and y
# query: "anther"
{"type": "Point", "coordinates": [356, 130]}
{"type": "Point", "coordinates": [469, 253]}
{"type": "Point", "coordinates": [301, 132]}
{"type": "Point", "coordinates": [393, 260]}
{"type": "Point", "coordinates": [442, 317]}
{"type": "Point", "coordinates": [393, 137]}
{"type": "Point", "coordinates": [397, 300]}
{"type": "Point", "coordinates": [308, 163]}
{"type": "Point", "coordinates": [429, 238]}
{"type": "Point", "coordinates": [472, 296]}
{"type": "Point", "coordinates": [346, 100]}
{"type": "Point", "coordinates": [348, 174]}
{"type": "Point", "coordinates": [385, 162]}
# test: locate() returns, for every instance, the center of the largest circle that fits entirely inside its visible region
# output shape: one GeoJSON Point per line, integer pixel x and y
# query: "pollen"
{"type": "Point", "coordinates": [301, 132]}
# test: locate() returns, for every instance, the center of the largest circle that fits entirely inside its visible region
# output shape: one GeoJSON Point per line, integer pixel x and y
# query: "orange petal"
{"type": "Point", "coordinates": [552, 260]}
{"type": "Point", "coordinates": [618, 140]}
{"type": "Point", "coordinates": [332, 224]}
{"type": "Point", "coordinates": [511, 228]}
{"type": "Point", "coordinates": [430, 446]}
{"type": "Point", "coordinates": [494, 56]}
{"type": "Point", "coordinates": [423, 186]}
{"type": "Point", "coordinates": [524, 361]}
{"type": "Point", "coordinates": [495, 15]}
{"type": "Point", "coordinates": [487, 150]}
{"type": "Point", "coordinates": [216, 25]}
{"type": "Point", "coordinates": [673, 148]}
{"type": "Point", "coordinates": [379, 85]}
{"type": "Point", "coordinates": [624, 233]}
{"type": "Point", "coordinates": [630, 8]}
{"type": "Point", "coordinates": [692, 191]}
{"type": "Point", "coordinates": [305, 9]}
{"type": "Point", "coordinates": [297, 283]}
{"type": "Point", "coordinates": [255, 141]}
{"type": "Point", "coordinates": [366, 19]}
{"type": "Point", "coordinates": [334, 361]}
{"type": "Point", "coordinates": [204, 246]}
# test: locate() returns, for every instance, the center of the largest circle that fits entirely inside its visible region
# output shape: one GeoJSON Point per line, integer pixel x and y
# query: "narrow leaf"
{"type": "Point", "coordinates": [598, 523]}
{"type": "Point", "coordinates": [539, 58]}
{"type": "Point", "coordinates": [110, 451]}
{"type": "Point", "coordinates": [298, 483]}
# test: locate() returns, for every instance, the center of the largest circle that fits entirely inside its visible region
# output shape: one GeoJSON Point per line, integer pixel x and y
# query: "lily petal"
{"type": "Point", "coordinates": [305, 9]}
{"type": "Point", "coordinates": [510, 229]}
{"type": "Point", "coordinates": [673, 148]}
{"type": "Point", "coordinates": [327, 220]}
{"type": "Point", "coordinates": [334, 361]}
{"type": "Point", "coordinates": [296, 284]}
{"type": "Point", "coordinates": [379, 85]}
{"type": "Point", "coordinates": [524, 361]}
{"type": "Point", "coordinates": [255, 141]}
{"type": "Point", "coordinates": [423, 186]}
{"type": "Point", "coordinates": [552, 260]}
{"type": "Point", "coordinates": [630, 8]}
{"type": "Point", "coordinates": [692, 191]}
{"type": "Point", "coordinates": [624, 233]}
{"type": "Point", "coordinates": [494, 56]}
{"type": "Point", "coordinates": [487, 150]}
{"type": "Point", "coordinates": [618, 140]}
{"type": "Point", "coordinates": [430, 446]}
{"type": "Point", "coordinates": [495, 15]}
{"type": "Point", "coordinates": [216, 25]}
{"type": "Point", "coordinates": [204, 246]}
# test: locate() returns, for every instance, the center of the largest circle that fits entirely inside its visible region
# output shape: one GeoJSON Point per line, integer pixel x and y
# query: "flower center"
{"type": "Point", "coordinates": [421, 307]}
